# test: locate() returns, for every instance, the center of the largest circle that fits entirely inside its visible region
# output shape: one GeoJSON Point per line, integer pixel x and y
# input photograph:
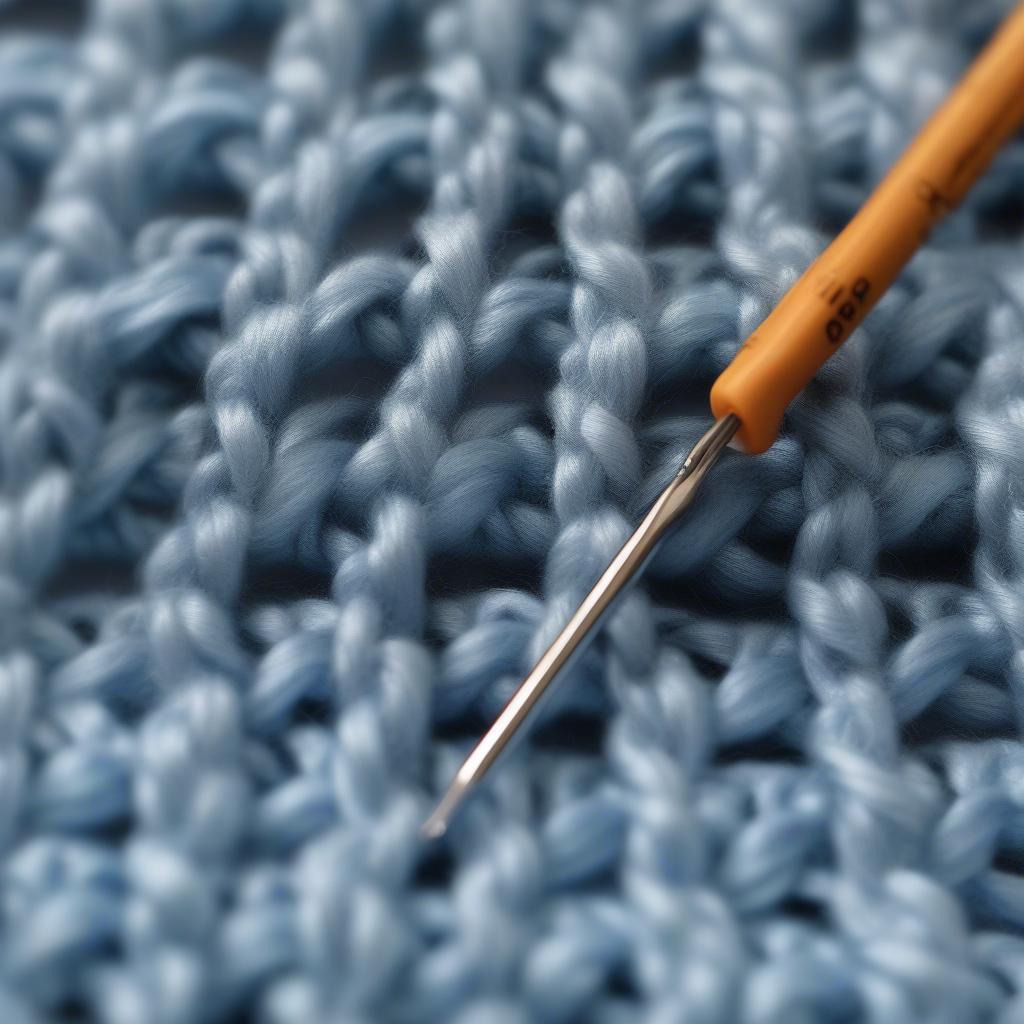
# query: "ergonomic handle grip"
{"type": "Point", "coordinates": [842, 285]}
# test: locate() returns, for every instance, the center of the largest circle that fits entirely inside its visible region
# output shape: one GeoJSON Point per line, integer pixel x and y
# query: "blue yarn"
{"type": "Point", "coordinates": [287, 507]}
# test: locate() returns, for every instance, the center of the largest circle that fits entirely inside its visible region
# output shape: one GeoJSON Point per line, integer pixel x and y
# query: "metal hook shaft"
{"type": "Point", "coordinates": [674, 500]}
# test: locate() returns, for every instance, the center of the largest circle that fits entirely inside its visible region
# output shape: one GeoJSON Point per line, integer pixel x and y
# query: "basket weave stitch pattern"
{"type": "Point", "coordinates": [342, 342]}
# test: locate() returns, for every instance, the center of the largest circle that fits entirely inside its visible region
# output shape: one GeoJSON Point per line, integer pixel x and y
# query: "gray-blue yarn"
{"type": "Point", "coordinates": [341, 343]}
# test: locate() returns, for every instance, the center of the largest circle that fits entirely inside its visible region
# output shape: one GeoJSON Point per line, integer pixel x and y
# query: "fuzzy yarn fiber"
{"type": "Point", "coordinates": [341, 343]}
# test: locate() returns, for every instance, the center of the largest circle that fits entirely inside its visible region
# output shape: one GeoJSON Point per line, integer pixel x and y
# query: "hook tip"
{"type": "Point", "coordinates": [440, 818]}
{"type": "Point", "coordinates": [434, 827]}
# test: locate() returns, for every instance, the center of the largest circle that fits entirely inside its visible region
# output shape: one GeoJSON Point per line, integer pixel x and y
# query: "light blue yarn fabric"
{"type": "Point", "coordinates": [341, 343]}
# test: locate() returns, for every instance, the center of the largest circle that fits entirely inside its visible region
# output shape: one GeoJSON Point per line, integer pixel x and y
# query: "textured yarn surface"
{"type": "Point", "coordinates": [341, 343]}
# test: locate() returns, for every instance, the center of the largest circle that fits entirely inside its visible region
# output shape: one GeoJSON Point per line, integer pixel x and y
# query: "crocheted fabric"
{"type": "Point", "coordinates": [341, 343]}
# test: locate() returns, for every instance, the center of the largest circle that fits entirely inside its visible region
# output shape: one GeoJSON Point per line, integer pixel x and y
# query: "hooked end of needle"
{"type": "Point", "coordinates": [437, 824]}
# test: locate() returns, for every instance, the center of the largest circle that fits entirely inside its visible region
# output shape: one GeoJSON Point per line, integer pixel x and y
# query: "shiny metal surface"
{"type": "Point", "coordinates": [674, 500]}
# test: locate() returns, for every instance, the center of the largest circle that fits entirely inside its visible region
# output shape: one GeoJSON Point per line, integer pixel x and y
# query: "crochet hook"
{"type": "Point", "coordinates": [780, 358]}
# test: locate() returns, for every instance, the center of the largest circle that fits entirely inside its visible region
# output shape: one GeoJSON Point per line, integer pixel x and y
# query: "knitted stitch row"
{"type": "Point", "coordinates": [341, 344]}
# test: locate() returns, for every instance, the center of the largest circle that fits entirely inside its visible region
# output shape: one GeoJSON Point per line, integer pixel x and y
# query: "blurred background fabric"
{"type": "Point", "coordinates": [341, 343]}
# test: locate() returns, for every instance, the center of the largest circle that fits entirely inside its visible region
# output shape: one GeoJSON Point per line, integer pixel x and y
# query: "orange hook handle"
{"type": "Point", "coordinates": [842, 285]}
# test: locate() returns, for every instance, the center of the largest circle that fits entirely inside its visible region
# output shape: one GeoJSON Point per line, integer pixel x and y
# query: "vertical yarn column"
{"type": "Point", "coordinates": [989, 418]}
{"type": "Point", "coordinates": [351, 882]}
{"type": "Point", "coordinates": [880, 802]}
{"type": "Point", "coordinates": [39, 147]}
{"type": "Point", "coordinates": [37, 463]}
{"type": "Point", "coordinates": [684, 949]}
{"type": "Point", "coordinates": [85, 309]}
{"type": "Point", "coordinates": [603, 373]}
{"type": "Point", "coordinates": [192, 796]}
